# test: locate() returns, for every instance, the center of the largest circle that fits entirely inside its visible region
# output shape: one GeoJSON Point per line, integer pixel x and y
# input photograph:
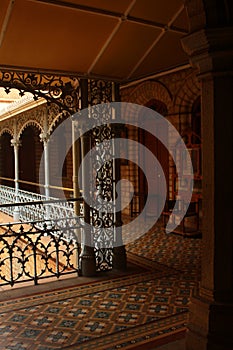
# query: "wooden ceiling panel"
{"type": "Point", "coordinates": [67, 36]}
{"type": "Point", "coordinates": [182, 20]}
{"type": "Point", "coordinates": [42, 36]}
{"type": "Point", "coordinates": [124, 52]}
{"type": "Point", "coordinates": [167, 53]}
{"type": "Point", "coordinates": [157, 11]}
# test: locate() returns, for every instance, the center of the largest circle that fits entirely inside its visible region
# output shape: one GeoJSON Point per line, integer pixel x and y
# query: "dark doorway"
{"type": "Point", "coordinates": [6, 160]}
{"type": "Point", "coordinates": [30, 153]}
{"type": "Point", "coordinates": [160, 152]}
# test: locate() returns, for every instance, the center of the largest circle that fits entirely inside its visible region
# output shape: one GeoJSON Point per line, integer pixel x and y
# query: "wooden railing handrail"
{"type": "Point", "coordinates": [38, 184]}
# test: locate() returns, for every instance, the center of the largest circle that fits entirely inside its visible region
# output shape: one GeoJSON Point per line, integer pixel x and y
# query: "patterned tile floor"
{"type": "Point", "coordinates": [145, 306]}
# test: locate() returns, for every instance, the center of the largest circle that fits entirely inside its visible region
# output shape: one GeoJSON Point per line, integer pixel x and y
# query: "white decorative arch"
{"type": "Point", "coordinates": [27, 124]}
{"type": "Point", "coordinates": [6, 131]}
{"type": "Point", "coordinates": [56, 119]}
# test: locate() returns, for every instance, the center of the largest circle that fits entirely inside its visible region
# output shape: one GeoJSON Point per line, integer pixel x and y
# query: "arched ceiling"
{"type": "Point", "coordinates": [120, 40]}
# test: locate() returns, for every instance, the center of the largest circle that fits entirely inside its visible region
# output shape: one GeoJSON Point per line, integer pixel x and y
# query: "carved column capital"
{"type": "Point", "coordinates": [16, 143]}
{"type": "Point", "coordinates": [210, 49]}
{"type": "Point", "coordinates": [44, 137]}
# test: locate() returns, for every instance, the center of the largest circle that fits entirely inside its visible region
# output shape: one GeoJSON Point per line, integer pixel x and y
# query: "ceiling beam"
{"type": "Point", "coordinates": [156, 25]}
{"type": "Point", "coordinates": [63, 73]}
{"type": "Point", "coordinates": [6, 21]}
{"type": "Point", "coordinates": [125, 85]}
{"type": "Point", "coordinates": [110, 14]}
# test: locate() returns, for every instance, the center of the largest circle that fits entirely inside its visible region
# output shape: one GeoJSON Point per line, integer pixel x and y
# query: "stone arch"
{"type": "Point", "coordinates": [149, 90]}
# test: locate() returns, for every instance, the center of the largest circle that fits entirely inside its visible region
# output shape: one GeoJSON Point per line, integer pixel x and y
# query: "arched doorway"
{"type": "Point", "coordinates": [30, 153]}
{"type": "Point", "coordinates": [6, 160]}
{"type": "Point", "coordinates": [159, 151]}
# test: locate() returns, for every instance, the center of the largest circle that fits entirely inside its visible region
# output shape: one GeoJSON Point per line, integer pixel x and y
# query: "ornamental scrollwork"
{"type": "Point", "coordinates": [64, 91]}
{"type": "Point", "coordinates": [27, 255]}
{"type": "Point", "coordinates": [102, 216]}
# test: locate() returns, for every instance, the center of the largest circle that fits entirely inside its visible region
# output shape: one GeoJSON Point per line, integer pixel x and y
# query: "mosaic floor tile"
{"type": "Point", "coordinates": [115, 313]}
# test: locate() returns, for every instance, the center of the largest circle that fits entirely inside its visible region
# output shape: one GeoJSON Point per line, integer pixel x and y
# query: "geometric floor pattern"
{"type": "Point", "coordinates": [138, 310]}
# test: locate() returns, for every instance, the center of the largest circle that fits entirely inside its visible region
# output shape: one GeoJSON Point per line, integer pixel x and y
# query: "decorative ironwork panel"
{"type": "Point", "coordinates": [99, 91]}
{"type": "Point", "coordinates": [102, 216]}
{"type": "Point", "coordinates": [28, 253]}
{"type": "Point", "coordinates": [64, 91]}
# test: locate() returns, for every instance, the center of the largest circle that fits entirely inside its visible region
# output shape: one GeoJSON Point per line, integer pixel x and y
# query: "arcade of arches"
{"type": "Point", "coordinates": [197, 100]}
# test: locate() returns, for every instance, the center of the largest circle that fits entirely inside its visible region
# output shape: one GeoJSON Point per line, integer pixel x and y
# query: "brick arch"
{"type": "Point", "coordinates": [187, 95]}
{"type": "Point", "coordinates": [157, 106]}
{"type": "Point", "coordinates": [148, 91]}
{"type": "Point", "coordinates": [6, 131]}
{"type": "Point", "coordinates": [27, 124]}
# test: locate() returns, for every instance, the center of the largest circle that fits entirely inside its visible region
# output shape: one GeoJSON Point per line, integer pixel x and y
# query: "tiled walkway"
{"type": "Point", "coordinates": [143, 306]}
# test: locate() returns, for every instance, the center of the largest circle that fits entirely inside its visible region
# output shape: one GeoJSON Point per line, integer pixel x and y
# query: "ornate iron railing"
{"type": "Point", "coordinates": [29, 253]}
{"type": "Point", "coordinates": [44, 210]}
{"type": "Point", "coordinates": [58, 215]}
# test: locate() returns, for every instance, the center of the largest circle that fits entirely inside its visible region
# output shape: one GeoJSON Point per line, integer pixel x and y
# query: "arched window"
{"type": "Point", "coordinates": [157, 106]}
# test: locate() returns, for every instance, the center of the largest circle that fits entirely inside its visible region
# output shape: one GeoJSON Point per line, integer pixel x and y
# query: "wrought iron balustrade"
{"type": "Point", "coordinates": [30, 253]}
{"type": "Point", "coordinates": [34, 212]}
{"type": "Point", "coordinates": [58, 215]}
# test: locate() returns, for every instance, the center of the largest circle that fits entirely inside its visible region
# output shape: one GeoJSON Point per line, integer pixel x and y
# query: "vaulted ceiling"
{"type": "Point", "coordinates": [121, 40]}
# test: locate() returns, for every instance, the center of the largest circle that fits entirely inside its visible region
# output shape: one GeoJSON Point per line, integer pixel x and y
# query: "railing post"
{"type": "Point", "coordinates": [44, 137]}
{"type": "Point", "coordinates": [76, 154]}
{"type": "Point", "coordinates": [16, 143]}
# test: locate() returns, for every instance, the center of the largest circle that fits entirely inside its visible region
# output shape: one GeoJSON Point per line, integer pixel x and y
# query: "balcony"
{"type": "Point", "coordinates": [43, 243]}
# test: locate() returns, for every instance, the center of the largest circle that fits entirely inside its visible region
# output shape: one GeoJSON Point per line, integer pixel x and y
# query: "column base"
{"type": "Point", "coordinates": [119, 260]}
{"type": "Point", "coordinates": [210, 325]}
{"type": "Point", "coordinates": [87, 262]}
